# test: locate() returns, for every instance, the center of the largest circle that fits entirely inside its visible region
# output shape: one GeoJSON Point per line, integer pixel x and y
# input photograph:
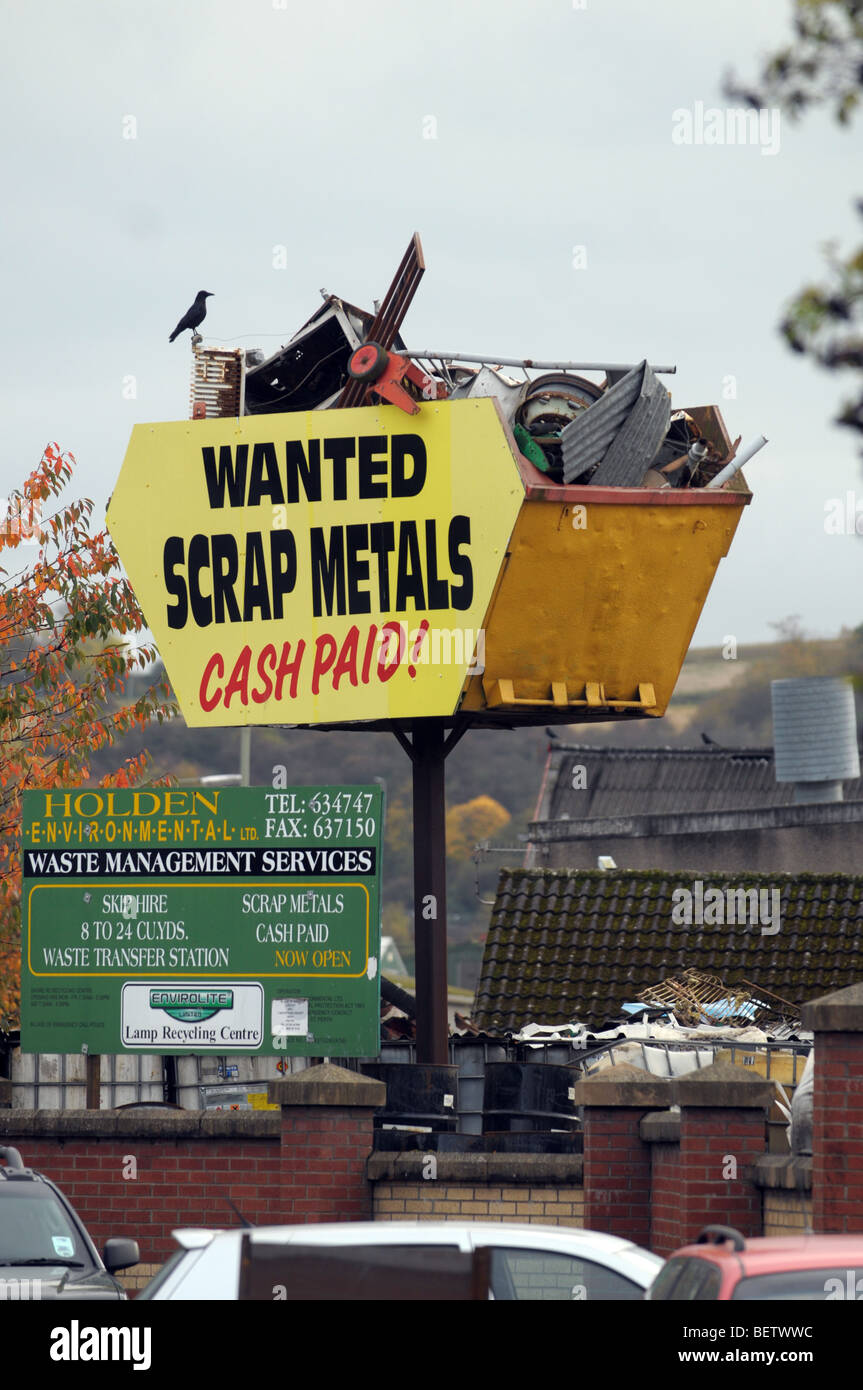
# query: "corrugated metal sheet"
{"type": "Point", "coordinates": [815, 730]}
{"type": "Point", "coordinates": [639, 782]}
{"type": "Point", "coordinates": [217, 383]}
{"type": "Point", "coordinates": [620, 433]}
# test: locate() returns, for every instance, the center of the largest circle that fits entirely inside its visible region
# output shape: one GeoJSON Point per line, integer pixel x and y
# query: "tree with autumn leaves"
{"type": "Point", "coordinates": [70, 630]}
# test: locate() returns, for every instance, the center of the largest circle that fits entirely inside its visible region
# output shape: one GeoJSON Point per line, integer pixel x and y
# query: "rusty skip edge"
{"type": "Point", "coordinates": [637, 496]}
{"type": "Point", "coordinates": [537, 487]}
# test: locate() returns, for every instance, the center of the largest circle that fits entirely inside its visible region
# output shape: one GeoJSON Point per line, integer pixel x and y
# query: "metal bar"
{"type": "Point", "coordinates": [429, 816]}
{"type": "Point", "coordinates": [245, 755]}
{"type": "Point", "coordinates": [490, 358]}
{"type": "Point", "coordinates": [94, 1081]}
{"type": "Point", "coordinates": [393, 313]}
{"type": "Point", "coordinates": [405, 742]}
{"type": "Point", "coordinates": [390, 316]}
{"type": "Point", "coordinates": [455, 735]}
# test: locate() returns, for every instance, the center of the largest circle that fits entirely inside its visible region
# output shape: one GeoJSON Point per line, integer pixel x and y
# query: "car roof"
{"type": "Point", "coordinates": [566, 1238]}
{"type": "Point", "coordinates": [767, 1254]}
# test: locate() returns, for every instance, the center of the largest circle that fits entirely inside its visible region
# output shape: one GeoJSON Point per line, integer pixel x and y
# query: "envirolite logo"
{"type": "Point", "coordinates": [191, 1005]}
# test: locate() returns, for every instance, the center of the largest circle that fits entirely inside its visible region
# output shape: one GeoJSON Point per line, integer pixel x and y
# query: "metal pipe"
{"type": "Point", "coordinates": [737, 463]}
{"type": "Point", "coordinates": [530, 362]}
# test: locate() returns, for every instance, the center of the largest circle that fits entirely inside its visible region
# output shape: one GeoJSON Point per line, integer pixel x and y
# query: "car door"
{"type": "Point", "coordinates": [521, 1272]}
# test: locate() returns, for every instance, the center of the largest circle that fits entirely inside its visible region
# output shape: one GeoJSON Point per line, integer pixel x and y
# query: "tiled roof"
{"type": "Point", "coordinates": [565, 946]}
{"type": "Point", "coordinates": [639, 782]}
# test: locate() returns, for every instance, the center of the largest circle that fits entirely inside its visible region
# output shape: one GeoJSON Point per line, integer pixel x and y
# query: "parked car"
{"type": "Point", "coordinates": [723, 1264]}
{"type": "Point", "coordinates": [45, 1250]}
{"type": "Point", "coordinates": [527, 1262]}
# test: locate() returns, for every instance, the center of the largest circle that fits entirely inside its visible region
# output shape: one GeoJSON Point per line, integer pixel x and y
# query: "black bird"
{"type": "Point", "coordinates": [194, 316]}
{"type": "Point", "coordinates": [711, 742]}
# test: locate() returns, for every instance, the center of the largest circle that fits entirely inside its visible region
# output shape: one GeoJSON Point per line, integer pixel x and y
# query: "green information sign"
{"type": "Point", "coordinates": [202, 919]}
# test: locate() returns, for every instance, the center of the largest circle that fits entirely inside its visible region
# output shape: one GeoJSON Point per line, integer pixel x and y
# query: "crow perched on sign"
{"type": "Point", "coordinates": [194, 316]}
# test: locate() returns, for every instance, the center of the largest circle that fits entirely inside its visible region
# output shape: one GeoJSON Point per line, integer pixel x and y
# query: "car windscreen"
{"type": "Point", "coordinates": [802, 1285]}
{"type": "Point", "coordinates": [686, 1279]}
{"type": "Point", "coordinates": [35, 1226]}
{"type": "Point", "coordinates": [149, 1290]}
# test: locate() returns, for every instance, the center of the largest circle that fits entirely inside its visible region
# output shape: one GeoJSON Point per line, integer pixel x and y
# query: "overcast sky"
{"type": "Point", "coordinates": [259, 124]}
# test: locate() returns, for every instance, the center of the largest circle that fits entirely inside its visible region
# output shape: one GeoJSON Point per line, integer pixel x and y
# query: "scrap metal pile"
{"type": "Point", "coordinates": [684, 1007]}
{"type": "Point", "coordinates": [698, 998]}
{"type": "Point", "coordinates": [619, 431]}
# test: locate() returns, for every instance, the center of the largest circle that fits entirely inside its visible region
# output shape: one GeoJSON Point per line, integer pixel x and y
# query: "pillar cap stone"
{"type": "Point", "coordinates": [722, 1086]}
{"type": "Point", "coordinates": [840, 1012]}
{"type": "Point", "coordinates": [328, 1085]}
{"type": "Point", "coordinates": [625, 1086]}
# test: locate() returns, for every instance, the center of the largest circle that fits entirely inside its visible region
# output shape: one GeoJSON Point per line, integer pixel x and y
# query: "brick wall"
{"type": "Point", "coordinates": [837, 1131]}
{"type": "Point", "coordinates": [785, 1183]}
{"type": "Point", "coordinates": [544, 1188]}
{"type": "Point", "coordinates": [837, 1116]}
{"type": "Point", "coordinates": [665, 1196]}
{"type": "Point", "coordinates": [787, 1214]}
{"type": "Point", "coordinates": [617, 1173]}
{"type": "Point", "coordinates": [323, 1177]}
{"type": "Point", "coordinates": [143, 1173]}
{"type": "Point", "coordinates": [163, 1171]}
{"type": "Point", "coordinates": [650, 1174]}
{"type": "Point", "coordinates": [718, 1146]}
{"type": "Point", "coordinates": [617, 1160]}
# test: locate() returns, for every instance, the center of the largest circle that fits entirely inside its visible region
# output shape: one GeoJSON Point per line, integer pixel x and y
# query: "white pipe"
{"type": "Point", "coordinates": [737, 463]}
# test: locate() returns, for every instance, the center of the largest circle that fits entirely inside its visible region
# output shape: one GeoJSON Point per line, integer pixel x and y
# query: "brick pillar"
{"type": "Point", "coordinates": [327, 1136]}
{"type": "Point", "coordinates": [616, 1160]}
{"type": "Point", "coordinates": [837, 1119]}
{"type": "Point", "coordinates": [723, 1130]}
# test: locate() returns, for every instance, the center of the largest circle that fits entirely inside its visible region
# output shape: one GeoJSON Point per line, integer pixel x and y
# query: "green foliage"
{"type": "Point", "coordinates": [820, 67]}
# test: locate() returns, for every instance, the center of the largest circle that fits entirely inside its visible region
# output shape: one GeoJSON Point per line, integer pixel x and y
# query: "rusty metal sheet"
{"type": "Point", "coordinates": [217, 383]}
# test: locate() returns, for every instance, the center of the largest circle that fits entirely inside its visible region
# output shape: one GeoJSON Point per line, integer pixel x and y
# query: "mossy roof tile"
{"type": "Point", "coordinates": [564, 946]}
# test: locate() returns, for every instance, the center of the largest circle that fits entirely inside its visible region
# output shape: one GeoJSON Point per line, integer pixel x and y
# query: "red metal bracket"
{"type": "Point", "coordinates": [383, 372]}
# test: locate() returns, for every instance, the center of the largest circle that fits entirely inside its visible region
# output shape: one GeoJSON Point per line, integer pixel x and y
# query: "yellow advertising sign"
{"type": "Point", "coordinates": [318, 567]}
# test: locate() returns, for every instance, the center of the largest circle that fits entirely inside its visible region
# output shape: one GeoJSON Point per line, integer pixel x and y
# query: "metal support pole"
{"type": "Point", "coordinates": [93, 1094]}
{"type": "Point", "coordinates": [245, 755]}
{"type": "Point", "coordinates": [428, 753]}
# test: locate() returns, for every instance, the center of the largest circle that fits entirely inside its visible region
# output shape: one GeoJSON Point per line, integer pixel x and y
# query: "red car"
{"type": "Point", "coordinates": [722, 1264]}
